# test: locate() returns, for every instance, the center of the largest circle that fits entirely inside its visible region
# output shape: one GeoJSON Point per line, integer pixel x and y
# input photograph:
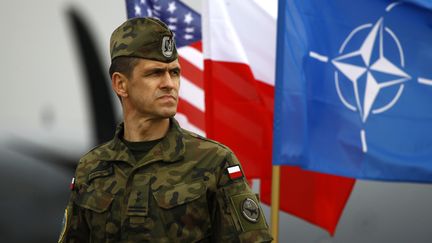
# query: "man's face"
{"type": "Point", "coordinates": [153, 88]}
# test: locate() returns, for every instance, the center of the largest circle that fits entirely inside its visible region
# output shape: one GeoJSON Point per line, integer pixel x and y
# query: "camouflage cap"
{"type": "Point", "coordinates": [147, 38]}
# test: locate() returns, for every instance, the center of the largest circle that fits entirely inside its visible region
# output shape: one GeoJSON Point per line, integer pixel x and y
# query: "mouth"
{"type": "Point", "coordinates": [167, 97]}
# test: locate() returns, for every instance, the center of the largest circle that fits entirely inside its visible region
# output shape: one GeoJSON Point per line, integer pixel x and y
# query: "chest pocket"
{"type": "Point", "coordinates": [184, 211]}
{"type": "Point", "coordinates": [96, 204]}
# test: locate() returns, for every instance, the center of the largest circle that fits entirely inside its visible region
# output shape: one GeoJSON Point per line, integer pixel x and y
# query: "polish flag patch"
{"type": "Point", "coordinates": [72, 184]}
{"type": "Point", "coordinates": [234, 172]}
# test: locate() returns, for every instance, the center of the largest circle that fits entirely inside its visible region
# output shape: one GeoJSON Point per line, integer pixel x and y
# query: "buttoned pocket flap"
{"type": "Point", "coordinates": [179, 194]}
{"type": "Point", "coordinates": [97, 201]}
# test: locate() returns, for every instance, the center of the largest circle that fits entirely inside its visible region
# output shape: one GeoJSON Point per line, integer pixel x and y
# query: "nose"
{"type": "Point", "coordinates": [167, 82]}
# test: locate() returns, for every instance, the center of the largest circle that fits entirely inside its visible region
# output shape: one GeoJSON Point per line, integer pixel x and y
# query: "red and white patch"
{"type": "Point", "coordinates": [235, 172]}
{"type": "Point", "coordinates": [72, 184]}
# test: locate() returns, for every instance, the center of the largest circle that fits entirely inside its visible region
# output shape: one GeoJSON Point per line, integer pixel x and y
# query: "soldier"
{"type": "Point", "coordinates": [154, 181]}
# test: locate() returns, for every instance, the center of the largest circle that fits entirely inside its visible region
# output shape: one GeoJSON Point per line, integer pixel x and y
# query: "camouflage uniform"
{"type": "Point", "coordinates": [179, 192]}
{"type": "Point", "coordinates": [182, 190]}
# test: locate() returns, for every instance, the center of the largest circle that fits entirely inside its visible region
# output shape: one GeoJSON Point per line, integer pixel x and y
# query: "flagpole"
{"type": "Point", "coordinates": [275, 202]}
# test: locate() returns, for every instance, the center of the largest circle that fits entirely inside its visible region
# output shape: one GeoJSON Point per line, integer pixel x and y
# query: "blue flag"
{"type": "Point", "coordinates": [354, 88]}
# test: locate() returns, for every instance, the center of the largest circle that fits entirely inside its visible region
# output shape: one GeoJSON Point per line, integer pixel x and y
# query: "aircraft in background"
{"type": "Point", "coordinates": [35, 177]}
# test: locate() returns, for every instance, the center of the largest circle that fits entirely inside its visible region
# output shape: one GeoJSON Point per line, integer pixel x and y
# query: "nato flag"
{"type": "Point", "coordinates": [354, 88]}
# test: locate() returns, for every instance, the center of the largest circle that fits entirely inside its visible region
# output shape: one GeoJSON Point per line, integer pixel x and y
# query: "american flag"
{"type": "Point", "coordinates": [186, 25]}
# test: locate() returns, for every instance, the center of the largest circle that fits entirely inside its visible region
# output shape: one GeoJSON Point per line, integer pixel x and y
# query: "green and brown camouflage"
{"type": "Point", "coordinates": [147, 38]}
{"type": "Point", "coordinates": [179, 192]}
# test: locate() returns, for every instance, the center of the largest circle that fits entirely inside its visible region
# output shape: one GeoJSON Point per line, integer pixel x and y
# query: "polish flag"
{"type": "Point", "coordinates": [239, 41]}
{"type": "Point", "coordinates": [234, 172]}
{"type": "Point", "coordinates": [72, 184]}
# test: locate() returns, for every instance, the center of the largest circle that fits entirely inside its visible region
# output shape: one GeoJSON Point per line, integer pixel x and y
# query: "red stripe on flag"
{"type": "Point", "coordinates": [315, 197]}
{"type": "Point", "coordinates": [192, 73]}
{"type": "Point", "coordinates": [239, 113]}
{"type": "Point", "coordinates": [236, 115]}
{"type": "Point", "coordinates": [235, 175]}
{"type": "Point", "coordinates": [197, 45]}
{"type": "Point", "coordinates": [194, 115]}
{"type": "Point", "coordinates": [266, 92]}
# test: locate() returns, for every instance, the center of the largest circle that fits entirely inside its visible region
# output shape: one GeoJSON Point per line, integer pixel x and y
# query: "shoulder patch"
{"type": "Point", "coordinates": [65, 224]}
{"type": "Point", "coordinates": [248, 212]}
{"type": "Point", "coordinates": [72, 184]}
{"type": "Point", "coordinates": [235, 172]}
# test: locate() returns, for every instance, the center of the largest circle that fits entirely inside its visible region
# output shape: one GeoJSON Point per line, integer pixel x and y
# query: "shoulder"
{"type": "Point", "coordinates": [201, 139]}
{"type": "Point", "coordinates": [96, 152]}
{"type": "Point", "coordinates": [89, 161]}
{"type": "Point", "coordinates": [204, 143]}
{"type": "Point", "coordinates": [210, 151]}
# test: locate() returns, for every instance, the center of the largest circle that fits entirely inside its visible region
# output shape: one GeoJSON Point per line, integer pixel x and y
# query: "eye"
{"type": "Point", "coordinates": [175, 72]}
{"type": "Point", "coordinates": [154, 73]}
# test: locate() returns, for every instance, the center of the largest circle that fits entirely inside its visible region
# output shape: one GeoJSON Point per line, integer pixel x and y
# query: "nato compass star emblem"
{"type": "Point", "coordinates": [370, 70]}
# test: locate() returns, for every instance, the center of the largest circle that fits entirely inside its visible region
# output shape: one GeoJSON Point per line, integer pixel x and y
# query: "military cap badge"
{"type": "Point", "coordinates": [167, 46]}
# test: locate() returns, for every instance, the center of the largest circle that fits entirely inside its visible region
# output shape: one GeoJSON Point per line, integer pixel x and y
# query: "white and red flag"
{"type": "Point", "coordinates": [234, 172]}
{"type": "Point", "coordinates": [239, 41]}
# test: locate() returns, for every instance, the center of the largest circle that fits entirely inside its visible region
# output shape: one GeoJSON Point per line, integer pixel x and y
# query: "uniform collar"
{"type": "Point", "coordinates": [170, 149]}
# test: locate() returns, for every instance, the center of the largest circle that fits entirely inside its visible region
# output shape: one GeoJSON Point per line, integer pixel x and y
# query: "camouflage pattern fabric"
{"type": "Point", "coordinates": [179, 192]}
{"type": "Point", "coordinates": [147, 38]}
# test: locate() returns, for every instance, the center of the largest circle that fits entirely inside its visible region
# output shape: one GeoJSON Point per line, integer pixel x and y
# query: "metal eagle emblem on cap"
{"type": "Point", "coordinates": [250, 210]}
{"type": "Point", "coordinates": [167, 46]}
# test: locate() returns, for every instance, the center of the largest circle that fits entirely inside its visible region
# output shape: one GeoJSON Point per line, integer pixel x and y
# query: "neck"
{"type": "Point", "coordinates": [144, 129]}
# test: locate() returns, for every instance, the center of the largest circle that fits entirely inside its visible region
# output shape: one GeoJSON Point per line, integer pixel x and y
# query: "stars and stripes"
{"type": "Point", "coordinates": [186, 25]}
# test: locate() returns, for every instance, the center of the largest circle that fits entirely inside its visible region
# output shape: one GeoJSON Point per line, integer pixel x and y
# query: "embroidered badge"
{"type": "Point", "coordinates": [167, 46]}
{"type": "Point", "coordinates": [250, 210]}
{"type": "Point", "coordinates": [64, 225]}
{"type": "Point", "coordinates": [235, 172]}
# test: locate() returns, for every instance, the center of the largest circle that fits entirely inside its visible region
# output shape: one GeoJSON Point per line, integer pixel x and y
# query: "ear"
{"type": "Point", "coordinates": [119, 84]}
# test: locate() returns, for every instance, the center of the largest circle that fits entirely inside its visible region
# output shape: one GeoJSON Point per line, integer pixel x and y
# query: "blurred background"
{"type": "Point", "coordinates": [48, 121]}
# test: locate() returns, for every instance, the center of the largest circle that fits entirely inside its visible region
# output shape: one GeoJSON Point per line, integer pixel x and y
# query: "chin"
{"type": "Point", "coordinates": [168, 114]}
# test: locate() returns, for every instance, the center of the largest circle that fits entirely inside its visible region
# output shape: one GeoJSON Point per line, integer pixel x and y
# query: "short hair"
{"type": "Point", "coordinates": [123, 65]}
